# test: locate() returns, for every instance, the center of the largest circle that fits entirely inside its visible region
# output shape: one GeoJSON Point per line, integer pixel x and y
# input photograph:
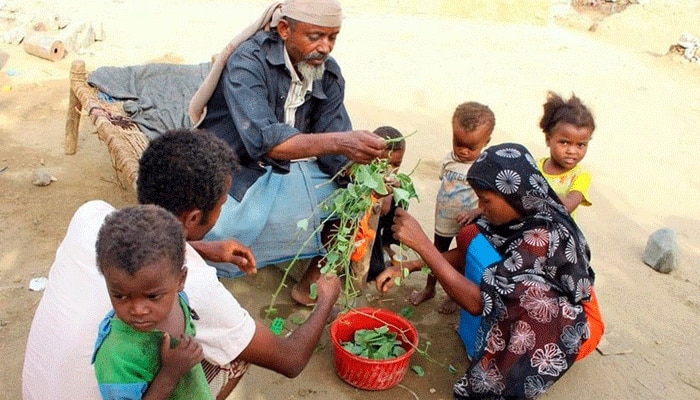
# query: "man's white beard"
{"type": "Point", "coordinates": [310, 72]}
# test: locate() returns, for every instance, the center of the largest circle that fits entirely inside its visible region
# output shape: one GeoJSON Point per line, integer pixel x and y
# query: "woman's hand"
{"type": "Point", "coordinates": [408, 231]}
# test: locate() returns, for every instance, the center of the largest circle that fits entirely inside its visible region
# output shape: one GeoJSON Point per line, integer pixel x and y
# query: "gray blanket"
{"type": "Point", "coordinates": [155, 96]}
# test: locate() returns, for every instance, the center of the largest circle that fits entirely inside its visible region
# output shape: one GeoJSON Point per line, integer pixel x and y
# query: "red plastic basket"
{"type": "Point", "coordinates": [362, 372]}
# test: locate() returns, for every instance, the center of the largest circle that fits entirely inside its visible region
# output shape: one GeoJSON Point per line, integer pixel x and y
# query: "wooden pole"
{"type": "Point", "coordinates": [77, 73]}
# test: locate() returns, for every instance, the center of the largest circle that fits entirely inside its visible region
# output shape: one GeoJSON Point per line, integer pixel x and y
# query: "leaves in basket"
{"type": "Point", "coordinates": [375, 344]}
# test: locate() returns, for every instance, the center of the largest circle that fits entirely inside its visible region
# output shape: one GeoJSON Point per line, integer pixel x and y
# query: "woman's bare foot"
{"type": "Point", "coordinates": [448, 306]}
{"type": "Point", "coordinates": [417, 297]}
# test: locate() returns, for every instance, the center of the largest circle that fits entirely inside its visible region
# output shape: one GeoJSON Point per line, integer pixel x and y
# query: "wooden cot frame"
{"type": "Point", "coordinates": [125, 142]}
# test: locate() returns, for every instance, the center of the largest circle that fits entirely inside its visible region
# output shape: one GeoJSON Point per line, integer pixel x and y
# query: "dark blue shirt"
{"type": "Point", "coordinates": [247, 109]}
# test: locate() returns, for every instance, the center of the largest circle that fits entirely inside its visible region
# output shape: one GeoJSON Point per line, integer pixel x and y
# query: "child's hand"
{"type": "Point", "coordinates": [385, 279]}
{"type": "Point", "coordinates": [386, 205]}
{"type": "Point", "coordinates": [467, 217]}
{"type": "Point", "coordinates": [176, 362]}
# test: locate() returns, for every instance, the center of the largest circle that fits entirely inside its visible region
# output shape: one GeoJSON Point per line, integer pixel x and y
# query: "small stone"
{"type": "Point", "coordinates": [41, 178]}
{"type": "Point", "coordinates": [432, 390]}
{"type": "Point", "coordinates": [661, 252]}
{"type": "Point", "coordinates": [38, 284]}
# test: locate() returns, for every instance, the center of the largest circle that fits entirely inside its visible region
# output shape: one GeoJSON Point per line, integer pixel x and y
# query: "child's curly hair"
{"type": "Point", "coordinates": [571, 111]}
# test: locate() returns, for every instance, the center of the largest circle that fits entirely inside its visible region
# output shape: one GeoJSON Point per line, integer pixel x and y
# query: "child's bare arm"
{"type": "Point", "coordinates": [572, 200]}
{"type": "Point", "coordinates": [174, 364]}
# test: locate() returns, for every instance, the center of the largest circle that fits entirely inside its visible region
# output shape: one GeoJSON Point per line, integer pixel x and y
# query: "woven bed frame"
{"type": "Point", "coordinates": [125, 142]}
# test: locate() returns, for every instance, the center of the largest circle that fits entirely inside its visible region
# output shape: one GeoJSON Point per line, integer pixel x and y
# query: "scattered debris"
{"type": "Point", "coordinates": [42, 178]}
{"type": "Point", "coordinates": [75, 36]}
{"type": "Point", "coordinates": [602, 8]}
{"type": "Point", "coordinates": [661, 252]}
{"type": "Point", "coordinates": [688, 46]}
{"type": "Point", "coordinates": [38, 284]}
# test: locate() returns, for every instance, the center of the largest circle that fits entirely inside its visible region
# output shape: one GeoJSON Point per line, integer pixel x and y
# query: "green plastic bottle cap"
{"type": "Point", "coordinates": [277, 325]}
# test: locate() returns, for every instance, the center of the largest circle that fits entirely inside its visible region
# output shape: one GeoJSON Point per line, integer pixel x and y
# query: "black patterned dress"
{"type": "Point", "coordinates": [533, 319]}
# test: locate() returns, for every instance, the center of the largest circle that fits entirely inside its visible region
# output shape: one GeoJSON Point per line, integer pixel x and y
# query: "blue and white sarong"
{"type": "Point", "coordinates": [266, 219]}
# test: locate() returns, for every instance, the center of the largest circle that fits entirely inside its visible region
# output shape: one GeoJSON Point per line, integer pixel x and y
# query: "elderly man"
{"type": "Point", "coordinates": [278, 101]}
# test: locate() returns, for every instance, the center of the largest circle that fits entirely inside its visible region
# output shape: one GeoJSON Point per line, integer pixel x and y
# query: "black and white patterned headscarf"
{"type": "Point", "coordinates": [510, 170]}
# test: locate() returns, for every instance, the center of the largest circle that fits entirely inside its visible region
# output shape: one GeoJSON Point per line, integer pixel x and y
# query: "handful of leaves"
{"type": "Point", "coordinates": [375, 344]}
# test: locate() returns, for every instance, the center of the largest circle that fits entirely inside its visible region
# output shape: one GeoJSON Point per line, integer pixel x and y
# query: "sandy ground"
{"type": "Point", "coordinates": [410, 69]}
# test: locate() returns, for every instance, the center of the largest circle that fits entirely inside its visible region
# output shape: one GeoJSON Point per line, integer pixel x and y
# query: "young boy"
{"type": "Point", "coordinates": [144, 347]}
{"type": "Point", "coordinates": [456, 203]}
{"type": "Point", "coordinates": [384, 237]}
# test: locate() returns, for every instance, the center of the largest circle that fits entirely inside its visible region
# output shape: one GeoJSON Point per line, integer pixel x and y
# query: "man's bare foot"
{"type": "Point", "coordinates": [417, 297]}
{"type": "Point", "coordinates": [448, 306]}
{"type": "Point", "coordinates": [301, 291]}
{"type": "Point", "coordinates": [302, 296]}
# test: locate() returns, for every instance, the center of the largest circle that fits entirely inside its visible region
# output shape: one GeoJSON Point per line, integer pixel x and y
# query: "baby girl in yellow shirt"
{"type": "Point", "coordinates": [568, 126]}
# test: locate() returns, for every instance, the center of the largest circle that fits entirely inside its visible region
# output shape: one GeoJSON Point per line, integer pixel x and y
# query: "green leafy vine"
{"type": "Point", "coordinates": [348, 205]}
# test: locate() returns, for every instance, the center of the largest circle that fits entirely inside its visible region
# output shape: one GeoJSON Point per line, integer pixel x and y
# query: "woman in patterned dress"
{"type": "Point", "coordinates": [539, 312]}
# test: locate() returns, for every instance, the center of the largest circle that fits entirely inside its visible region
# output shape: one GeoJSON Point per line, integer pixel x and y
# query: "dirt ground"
{"type": "Point", "coordinates": [410, 70]}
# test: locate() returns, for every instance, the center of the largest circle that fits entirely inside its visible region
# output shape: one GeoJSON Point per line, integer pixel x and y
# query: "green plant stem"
{"type": "Point", "coordinates": [287, 270]}
{"type": "Point", "coordinates": [350, 205]}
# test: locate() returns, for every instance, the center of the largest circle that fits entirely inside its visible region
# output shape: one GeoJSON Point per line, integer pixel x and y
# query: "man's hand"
{"type": "Point", "coordinates": [176, 362]}
{"type": "Point", "coordinates": [229, 251]}
{"type": "Point", "coordinates": [328, 288]}
{"type": "Point", "coordinates": [362, 146]}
